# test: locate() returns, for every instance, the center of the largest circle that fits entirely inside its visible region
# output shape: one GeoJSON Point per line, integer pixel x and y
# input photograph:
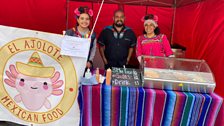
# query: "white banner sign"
{"type": "Point", "coordinates": [75, 46]}
{"type": "Point", "coordinates": [38, 86]}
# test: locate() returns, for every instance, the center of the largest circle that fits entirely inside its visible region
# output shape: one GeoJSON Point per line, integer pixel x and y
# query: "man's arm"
{"type": "Point", "coordinates": [101, 49]}
{"type": "Point", "coordinates": [130, 51]}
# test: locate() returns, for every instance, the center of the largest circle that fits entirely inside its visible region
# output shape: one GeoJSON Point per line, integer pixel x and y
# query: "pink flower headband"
{"type": "Point", "coordinates": [155, 18]}
{"type": "Point", "coordinates": [153, 21]}
{"type": "Point", "coordinates": [86, 10]}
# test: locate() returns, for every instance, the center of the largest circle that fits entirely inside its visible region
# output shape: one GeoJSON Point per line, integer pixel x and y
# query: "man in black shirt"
{"type": "Point", "coordinates": [116, 42]}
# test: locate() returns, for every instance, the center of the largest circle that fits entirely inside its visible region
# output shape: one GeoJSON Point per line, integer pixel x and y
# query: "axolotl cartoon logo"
{"type": "Point", "coordinates": [37, 84]}
{"type": "Point", "coordinates": [33, 86]}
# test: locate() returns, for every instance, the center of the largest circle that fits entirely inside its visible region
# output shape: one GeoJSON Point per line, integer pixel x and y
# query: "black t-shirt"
{"type": "Point", "coordinates": [117, 44]}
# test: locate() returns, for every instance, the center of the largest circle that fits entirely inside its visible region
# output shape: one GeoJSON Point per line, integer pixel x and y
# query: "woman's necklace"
{"type": "Point", "coordinates": [83, 33]}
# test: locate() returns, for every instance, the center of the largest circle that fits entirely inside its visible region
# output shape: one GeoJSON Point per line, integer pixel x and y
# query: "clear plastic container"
{"type": "Point", "coordinates": [177, 74]}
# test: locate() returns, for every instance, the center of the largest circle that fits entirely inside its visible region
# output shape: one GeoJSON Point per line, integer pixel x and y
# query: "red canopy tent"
{"type": "Point", "coordinates": [194, 24]}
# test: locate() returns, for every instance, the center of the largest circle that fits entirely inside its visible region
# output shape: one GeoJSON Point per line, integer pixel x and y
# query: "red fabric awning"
{"type": "Point", "coordinates": [157, 3]}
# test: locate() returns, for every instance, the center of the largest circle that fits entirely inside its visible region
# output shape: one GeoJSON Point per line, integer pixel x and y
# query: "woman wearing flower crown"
{"type": "Point", "coordinates": [82, 30]}
{"type": "Point", "coordinates": [152, 43]}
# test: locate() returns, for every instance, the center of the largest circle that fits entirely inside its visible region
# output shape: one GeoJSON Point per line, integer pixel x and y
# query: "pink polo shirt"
{"type": "Point", "coordinates": [156, 46]}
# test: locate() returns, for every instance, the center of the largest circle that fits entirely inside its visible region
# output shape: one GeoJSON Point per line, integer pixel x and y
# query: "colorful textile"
{"type": "Point", "coordinates": [214, 109]}
{"type": "Point", "coordinates": [149, 105]}
{"type": "Point", "coordinates": [185, 119]}
{"type": "Point", "coordinates": [106, 106]}
{"type": "Point", "coordinates": [169, 108]}
{"type": "Point", "coordinates": [156, 46]}
{"type": "Point", "coordinates": [178, 111]}
{"type": "Point", "coordinates": [130, 106]}
{"type": "Point", "coordinates": [159, 107]}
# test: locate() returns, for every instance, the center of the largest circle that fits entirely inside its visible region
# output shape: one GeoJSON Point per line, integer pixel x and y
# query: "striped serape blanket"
{"type": "Point", "coordinates": [103, 105]}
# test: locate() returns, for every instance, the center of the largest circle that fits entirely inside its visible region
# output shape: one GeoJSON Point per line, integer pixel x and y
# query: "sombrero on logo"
{"type": "Point", "coordinates": [35, 67]}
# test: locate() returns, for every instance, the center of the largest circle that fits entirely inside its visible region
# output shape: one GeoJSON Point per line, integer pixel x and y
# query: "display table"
{"type": "Point", "coordinates": [109, 105]}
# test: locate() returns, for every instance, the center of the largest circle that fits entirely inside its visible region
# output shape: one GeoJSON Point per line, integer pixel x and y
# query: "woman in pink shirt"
{"type": "Point", "coordinates": [152, 43]}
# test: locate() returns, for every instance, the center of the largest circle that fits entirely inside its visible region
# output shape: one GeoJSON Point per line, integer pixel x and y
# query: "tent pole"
{"type": "Point", "coordinates": [67, 10]}
{"type": "Point", "coordinates": [96, 18]}
{"type": "Point", "coordinates": [173, 24]}
{"type": "Point", "coordinates": [146, 11]}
